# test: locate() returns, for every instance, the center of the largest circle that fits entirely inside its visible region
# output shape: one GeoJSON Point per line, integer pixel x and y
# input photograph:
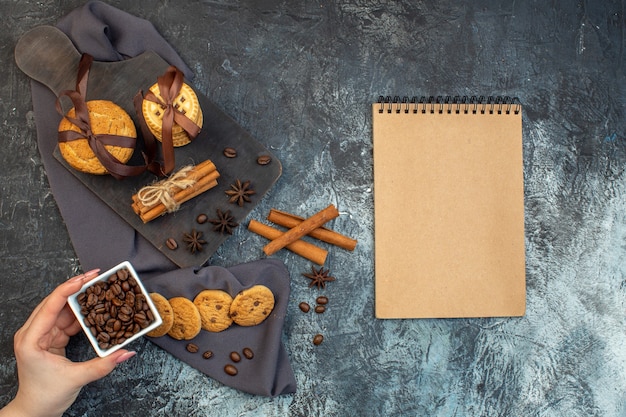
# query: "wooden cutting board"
{"type": "Point", "coordinates": [48, 56]}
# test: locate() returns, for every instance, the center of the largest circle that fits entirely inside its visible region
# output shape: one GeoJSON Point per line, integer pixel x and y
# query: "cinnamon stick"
{"type": "Point", "coordinates": [182, 195]}
{"type": "Point", "coordinates": [205, 175]}
{"type": "Point", "coordinates": [201, 169]}
{"type": "Point", "coordinates": [160, 210]}
{"type": "Point", "coordinates": [324, 234]}
{"type": "Point", "coordinates": [198, 172]}
{"type": "Point", "coordinates": [302, 229]}
{"type": "Point", "coordinates": [300, 247]}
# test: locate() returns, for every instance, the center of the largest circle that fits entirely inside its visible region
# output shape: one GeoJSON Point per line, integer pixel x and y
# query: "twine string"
{"type": "Point", "coordinates": [164, 191]}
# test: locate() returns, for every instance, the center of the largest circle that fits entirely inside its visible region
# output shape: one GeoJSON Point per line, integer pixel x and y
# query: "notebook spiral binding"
{"type": "Point", "coordinates": [449, 104]}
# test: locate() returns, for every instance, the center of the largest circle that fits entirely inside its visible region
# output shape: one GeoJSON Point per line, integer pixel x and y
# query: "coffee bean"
{"type": "Point", "coordinates": [235, 357]}
{"type": "Point", "coordinates": [103, 337]}
{"type": "Point", "coordinates": [92, 299]}
{"type": "Point", "coordinates": [139, 300]}
{"type": "Point", "coordinates": [207, 355]}
{"type": "Point", "coordinates": [320, 309]}
{"type": "Point", "coordinates": [230, 152]}
{"type": "Point", "coordinates": [122, 274]}
{"type": "Point", "coordinates": [305, 307]}
{"type": "Point", "coordinates": [248, 353]}
{"type": "Point", "coordinates": [322, 299]}
{"type": "Point", "coordinates": [109, 326]}
{"type": "Point", "coordinates": [124, 317]}
{"type": "Point", "coordinates": [126, 310]}
{"type": "Point", "coordinates": [318, 339]}
{"type": "Point", "coordinates": [193, 348]}
{"type": "Point", "coordinates": [131, 300]}
{"type": "Point", "coordinates": [141, 320]}
{"type": "Point", "coordinates": [264, 160]}
{"type": "Point", "coordinates": [230, 370]}
{"type": "Point", "coordinates": [100, 320]}
{"type": "Point", "coordinates": [202, 218]}
{"type": "Point", "coordinates": [171, 244]}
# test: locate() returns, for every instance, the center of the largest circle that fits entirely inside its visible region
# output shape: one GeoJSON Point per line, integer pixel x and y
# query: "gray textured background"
{"type": "Point", "coordinates": [300, 76]}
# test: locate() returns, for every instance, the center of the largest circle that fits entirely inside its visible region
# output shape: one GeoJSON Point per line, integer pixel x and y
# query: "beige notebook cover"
{"type": "Point", "coordinates": [448, 210]}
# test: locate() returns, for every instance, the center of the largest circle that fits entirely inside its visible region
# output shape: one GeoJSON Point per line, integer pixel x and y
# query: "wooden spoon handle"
{"type": "Point", "coordinates": [47, 55]}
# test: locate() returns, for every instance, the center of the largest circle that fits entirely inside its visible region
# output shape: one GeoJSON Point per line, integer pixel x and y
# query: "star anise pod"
{"type": "Point", "coordinates": [240, 192]}
{"type": "Point", "coordinates": [319, 277]}
{"type": "Point", "coordinates": [224, 223]}
{"type": "Point", "coordinates": [194, 241]}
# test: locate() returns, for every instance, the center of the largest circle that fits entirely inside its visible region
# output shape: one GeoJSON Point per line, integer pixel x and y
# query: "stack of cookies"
{"type": "Point", "coordinates": [212, 310]}
{"type": "Point", "coordinates": [186, 102]}
{"type": "Point", "coordinates": [105, 118]}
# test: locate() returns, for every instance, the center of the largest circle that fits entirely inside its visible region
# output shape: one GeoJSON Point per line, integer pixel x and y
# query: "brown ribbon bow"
{"type": "Point", "coordinates": [97, 142]}
{"type": "Point", "coordinates": [169, 84]}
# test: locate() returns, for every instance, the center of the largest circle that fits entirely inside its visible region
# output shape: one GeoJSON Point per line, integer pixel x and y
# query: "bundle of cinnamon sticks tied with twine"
{"type": "Point", "coordinates": [298, 228]}
{"type": "Point", "coordinates": [167, 195]}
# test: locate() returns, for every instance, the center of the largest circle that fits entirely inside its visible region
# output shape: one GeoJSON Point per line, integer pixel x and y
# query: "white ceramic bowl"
{"type": "Point", "coordinates": [76, 308]}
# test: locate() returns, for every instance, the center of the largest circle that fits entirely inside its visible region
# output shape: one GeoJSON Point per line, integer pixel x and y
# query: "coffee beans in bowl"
{"type": "Point", "coordinates": [114, 309]}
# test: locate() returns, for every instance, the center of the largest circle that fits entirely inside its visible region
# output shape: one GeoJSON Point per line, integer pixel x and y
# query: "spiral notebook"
{"type": "Point", "coordinates": [448, 207]}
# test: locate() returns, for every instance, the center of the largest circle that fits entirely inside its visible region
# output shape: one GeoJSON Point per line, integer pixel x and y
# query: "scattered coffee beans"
{"type": "Point", "coordinates": [230, 370]}
{"type": "Point", "coordinates": [171, 243]}
{"type": "Point", "coordinates": [235, 357]}
{"type": "Point", "coordinates": [263, 160]}
{"type": "Point", "coordinates": [193, 348]}
{"type": "Point", "coordinates": [320, 309]}
{"type": "Point", "coordinates": [248, 353]}
{"type": "Point", "coordinates": [318, 339]}
{"type": "Point", "coordinates": [230, 152]}
{"type": "Point", "coordinates": [322, 299]}
{"type": "Point", "coordinates": [305, 307]}
{"type": "Point", "coordinates": [115, 309]}
{"type": "Point", "coordinates": [202, 218]}
{"type": "Point", "coordinates": [207, 355]}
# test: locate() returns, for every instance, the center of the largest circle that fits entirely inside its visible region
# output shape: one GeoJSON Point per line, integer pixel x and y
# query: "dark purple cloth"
{"type": "Point", "coordinates": [102, 239]}
{"type": "Point", "coordinates": [109, 34]}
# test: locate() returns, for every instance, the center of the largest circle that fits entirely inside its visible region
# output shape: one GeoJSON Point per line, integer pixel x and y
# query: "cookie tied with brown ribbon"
{"type": "Point", "coordinates": [109, 132]}
{"type": "Point", "coordinates": [171, 112]}
{"type": "Point", "coordinates": [97, 136]}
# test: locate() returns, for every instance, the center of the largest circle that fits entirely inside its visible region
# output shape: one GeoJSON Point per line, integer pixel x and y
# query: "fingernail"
{"type": "Point", "coordinates": [76, 278]}
{"type": "Point", "coordinates": [126, 356]}
{"type": "Point", "coordinates": [86, 275]}
{"type": "Point", "coordinates": [92, 273]}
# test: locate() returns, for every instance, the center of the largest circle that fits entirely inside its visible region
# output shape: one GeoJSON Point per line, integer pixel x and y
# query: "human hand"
{"type": "Point", "coordinates": [49, 382]}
